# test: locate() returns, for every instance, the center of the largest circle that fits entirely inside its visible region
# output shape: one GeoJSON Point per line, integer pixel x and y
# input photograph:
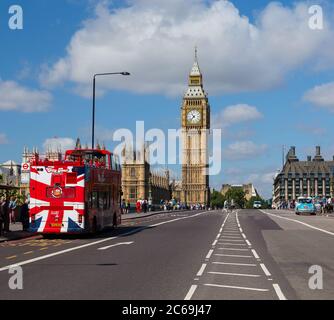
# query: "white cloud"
{"type": "Point", "coordinates": [311, 129]}
{"type": "Point", "coordinates": [262, 178]}
{"type": "Point", "coordinates": [322, 96]}
{"type": "Point", "coordinates": [16, 97]}
{"type": "Point", "coordinates": [55, 144]}
{"type": "Point", "coordinates": [236, 114]}
{"type": "Point", "coordinates": [154, 40]}
{"type": "Point", "coordinates": [242, 150]}
{"type": "Point", "coordinates": [3, 138]}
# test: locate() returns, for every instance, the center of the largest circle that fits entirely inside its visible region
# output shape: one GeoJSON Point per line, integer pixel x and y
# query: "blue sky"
{"type": "Point", "coordinates": [255, 56]}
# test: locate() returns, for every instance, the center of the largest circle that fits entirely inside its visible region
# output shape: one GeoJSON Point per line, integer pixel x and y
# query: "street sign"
{"type": "Point", "coordinates": [25, 167]}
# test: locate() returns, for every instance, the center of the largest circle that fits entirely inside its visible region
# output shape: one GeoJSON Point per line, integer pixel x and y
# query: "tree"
{"type": "Point", "coordinates": [237, 195]}
{"type": "Point", "coordinates": [217, 199]}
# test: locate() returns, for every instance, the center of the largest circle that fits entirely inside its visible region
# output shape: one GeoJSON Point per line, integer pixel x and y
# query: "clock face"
{"type": "Point", "coordinates": [194, 117]}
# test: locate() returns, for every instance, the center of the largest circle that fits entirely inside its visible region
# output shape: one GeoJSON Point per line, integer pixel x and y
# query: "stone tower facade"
{"type": "Point", "coordinates": [195, 117]}
{"type": "Point", "coordinates": [139, 181]}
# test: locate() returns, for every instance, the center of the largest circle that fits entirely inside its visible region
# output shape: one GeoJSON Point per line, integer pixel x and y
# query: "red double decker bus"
{"type": "Point", "coordinates": [79, 194]}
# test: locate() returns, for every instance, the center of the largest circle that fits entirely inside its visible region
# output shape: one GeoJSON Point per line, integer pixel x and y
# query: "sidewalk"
{"type": "Point", "coordinates": [292, 211]}
{"type": "Point", "coordinates": [16, 233]}
{"type": "Point", "coordinates": [130, 216]}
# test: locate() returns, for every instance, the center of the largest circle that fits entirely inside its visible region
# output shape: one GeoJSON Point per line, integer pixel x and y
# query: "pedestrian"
{"type": "Point", "coordinates": [24, 215]}
{"type": "Point", "coordinates": [123, 206]}
{"type": "Point", "coordinates": [5, 214]}
{"type": "Point", "coordinates": [144, 206]}
{"type": "Point", "coordinates": [2, 200]}
{"type": "Point", "coordinates": [128, 207]}
{"type": "Point", "coordinates": [150, 205]}
{"type": "Point", "coordinates": [138, 206]}
{"type": "Point", "coordinates": [12, 207]}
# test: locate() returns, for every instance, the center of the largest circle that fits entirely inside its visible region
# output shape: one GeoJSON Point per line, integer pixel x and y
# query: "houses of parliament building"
{"type": "Point", "coordinates": [140, 182]}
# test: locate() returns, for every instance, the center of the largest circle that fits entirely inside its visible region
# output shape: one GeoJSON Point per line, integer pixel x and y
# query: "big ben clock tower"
{"type": "Point", "coordinates": [195, 115]}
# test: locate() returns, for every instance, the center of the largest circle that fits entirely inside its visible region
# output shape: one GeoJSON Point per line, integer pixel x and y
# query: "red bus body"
{"type": "Point", "coordinates": [80, 194]}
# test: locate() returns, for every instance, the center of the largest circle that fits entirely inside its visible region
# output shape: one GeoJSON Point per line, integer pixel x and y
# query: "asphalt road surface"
{"type": "Point", "coordinates": [245, 254]}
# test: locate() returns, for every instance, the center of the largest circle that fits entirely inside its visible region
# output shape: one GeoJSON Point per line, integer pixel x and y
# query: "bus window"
{"type": "Point", "coordinates": [113, 163]}
{"type": "Point", "coordinates": [118, 167]}
{"type": "Point", "coordinates": [107, 161]}
{"type": "Point", "coordinates": [105, 200]}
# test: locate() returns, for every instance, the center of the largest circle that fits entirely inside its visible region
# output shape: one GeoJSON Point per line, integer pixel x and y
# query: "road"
{"type": "Point", "coordinates": [244, 254]}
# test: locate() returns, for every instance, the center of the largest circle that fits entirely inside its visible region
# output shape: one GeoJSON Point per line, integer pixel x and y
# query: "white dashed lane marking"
{"type": "Point", "coordinates": [231, 239]}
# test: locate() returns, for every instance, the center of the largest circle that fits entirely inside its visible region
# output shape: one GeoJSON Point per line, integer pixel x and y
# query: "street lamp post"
{"type": "Point", "coordinates": [94, 86]}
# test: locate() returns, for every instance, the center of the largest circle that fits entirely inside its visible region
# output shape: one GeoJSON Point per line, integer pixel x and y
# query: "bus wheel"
{"type": "Point", "coordinates": [94, 226]}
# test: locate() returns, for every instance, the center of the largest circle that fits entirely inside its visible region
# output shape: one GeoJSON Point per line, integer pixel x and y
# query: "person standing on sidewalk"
{"type": "Point", "coordinates": [138, 206]}
{"type": "Point", "coordinates": [24, 215]}
{"type": "Point", "coordinates": [12, 207]}
{"type": "Point", "coordinates": [144, 205]}
{"type": "Point", "coordinates": [128, 207]}
{"type": "Point", "coordinates": [5, 214]}
{"type": "Point", "coordinates": [1, 217]}
{"type": "Point", "coordinates": [123, 206]}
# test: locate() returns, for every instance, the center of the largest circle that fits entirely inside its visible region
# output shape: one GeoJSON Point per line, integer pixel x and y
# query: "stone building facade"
{"type": "Point", "coordinates": [248, 189]}
{"type": "Point", "coordinates": [311, 178]}
{"type": "Point", "coordinates": [139, 181]}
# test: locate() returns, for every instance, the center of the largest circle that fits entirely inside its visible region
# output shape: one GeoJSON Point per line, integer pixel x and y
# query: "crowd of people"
{"type": "Point", "coordinates": [144, 206]}
{"type": "Point", "coordinates": [324, 205]}
{"type": "Point", "coordinates": [8, 209]}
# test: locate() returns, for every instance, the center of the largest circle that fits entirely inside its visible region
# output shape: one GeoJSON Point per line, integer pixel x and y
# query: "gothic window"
{"type": "Point", "coordinates": [133, 193]}
{"type": "Point", "coordinates": [132, 172]}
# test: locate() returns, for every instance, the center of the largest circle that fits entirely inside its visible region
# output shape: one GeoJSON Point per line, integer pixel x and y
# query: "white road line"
{"type": "Point", "coordinates": [169, 221]}
{"type": "Point", "coordinates": [209, 254]}
{"type": "Point", "coordinates": [91, 244]}
{"type": "Point", "coordinates": [235, 274]}
{"type": "Point", "coordinates": [233, 240]}
{"type": "Point", "coordinates": [265, 270]}
{"type": "Point", "coordinates": [234, 249]}
{"type": "Point", "coordinates": [214, 243]}
{"type": "Point", "coordinates": [248, 242]}
{"type": "Point", "coordinates": [191, 292]}
{"type": "Point", "coordinates": [231, 232]}
{"type": "Point", "coordinates": [115, 245]}
{"type": "Point", "coordinates": [218, 235]}
{"type": "Point", "coordinates": [244, 236]}
{"type": "Point", "coordinates": [232, 244]}
{"type": "Point", "coordinates": [279, 292]}
{"type": "Point", "coordinates": [200, 272]}
{"type": "Point", "coordinates": [235, 287]}
{"type": "Point", "coordinates": [231, 255]}
{"type": "Point", "coordinates": [240, 229]}
{"type": "Point", "coordinates": [230, 238]}
{"type": "Point", "coordinates": [236, 264]}
{"type": "Point", "coordinates": [255, 254]}
{"type": "Point", "coordinates": [303, 223]}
